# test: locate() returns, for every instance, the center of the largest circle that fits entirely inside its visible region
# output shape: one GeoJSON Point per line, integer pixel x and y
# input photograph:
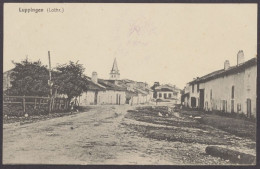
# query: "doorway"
{"type": "Point", "coordinates": [232, 106]}
{"type": "Point", "coordinates": [193, 102]}
{"type": "Point", "coordinates": [248, 103]}
{"type": "Point", "coordinates": [95, 98]}
{"type": "Point", "coordinates": [201, 98]}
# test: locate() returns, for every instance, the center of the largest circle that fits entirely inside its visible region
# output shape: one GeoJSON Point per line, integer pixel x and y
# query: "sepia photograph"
{"type": "Point", "coordinates": [129, 84]}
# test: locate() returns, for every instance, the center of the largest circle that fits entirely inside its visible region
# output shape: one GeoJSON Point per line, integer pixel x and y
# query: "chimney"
{"type": "Point", "coordinates": [226, 65]}
{"type": "Point", "coordinates": [94, 77]}
{"type": "Point", "coordinates": [240, 57]}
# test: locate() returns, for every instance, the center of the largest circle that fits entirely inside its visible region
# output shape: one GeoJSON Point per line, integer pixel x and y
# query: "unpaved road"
{"type": "Point", "coordinates": [98, 136]}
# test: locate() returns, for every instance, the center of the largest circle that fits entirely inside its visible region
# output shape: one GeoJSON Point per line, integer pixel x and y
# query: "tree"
{"type": "Point", "coordinates": [70, 79]}
{"type": "Point", "coordinates": [29, 79]}
{"type": "Point", "coordinates": [156, 84]}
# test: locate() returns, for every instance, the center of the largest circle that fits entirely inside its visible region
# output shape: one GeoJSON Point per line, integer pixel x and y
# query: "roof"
{"type": "Point", "coordinates": [103, 85]}
{"type": "Point", "coordinates": [94, 86]}
{"type": "Point", "coordinates": [223, 72]}
{"type": "Point", "coordinates": [110, 86]}
{"type": "Point", "coordinates": [167, 87]}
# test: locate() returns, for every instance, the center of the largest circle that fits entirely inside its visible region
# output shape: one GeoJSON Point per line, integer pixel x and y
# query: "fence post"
{"type": "Point", "coordinates": [52, 103]}
{"type": "Point", "coordinates": [35, 103]}
{"type": "Point", "coordinates": [59, 105]}
{"type": "Point", "coordinates": [24, 104]}
{"type": "Point", "coordinates": [49, 104]}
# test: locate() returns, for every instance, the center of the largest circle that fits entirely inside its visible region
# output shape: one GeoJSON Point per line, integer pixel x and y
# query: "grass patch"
{"type": "Point", "coordinates": [183, 127]}
{"type": "Point", "coordinates": [39, 117]}
{"type": "Point", "coordinates": [179, 135]}
{"type": "Point", "coordinates": [237, 127]}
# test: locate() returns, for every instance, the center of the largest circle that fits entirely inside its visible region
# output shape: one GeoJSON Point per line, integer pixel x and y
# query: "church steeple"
{"type": "Point", "coordinates": [115, 68]}
{"type": "Point", "coordinates": [114, 74]}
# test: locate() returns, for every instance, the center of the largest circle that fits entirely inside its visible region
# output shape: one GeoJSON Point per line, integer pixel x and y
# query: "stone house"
{"type": "Point", "coordinates": [102, 92]}
{"type": "Point", "coordinates": [231, 90]}
{"type": "Point", "coordinates": [168, 92]}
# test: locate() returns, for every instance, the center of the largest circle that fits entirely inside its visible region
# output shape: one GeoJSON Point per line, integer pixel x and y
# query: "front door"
{"type": "Point", "coordinates": [232, 106]}
{"type": "Point", "coordinates": [193, 102]}
{"type": "Point", "coordinates": [95, 99]}
{"type": "Point", "coordinates": [201, 98]}
{"type": "Point", "coordinates": [248, 108]}
{"type": "Point", "coordinates": [116, 98]}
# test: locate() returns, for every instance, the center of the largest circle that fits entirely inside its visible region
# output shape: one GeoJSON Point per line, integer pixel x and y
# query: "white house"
{"type": "Point", "coordinates": [102, 92]}
{"type": "Point", "coordinates": [232, 89]}
{"type": "Point", "coordinates": [168, 92]}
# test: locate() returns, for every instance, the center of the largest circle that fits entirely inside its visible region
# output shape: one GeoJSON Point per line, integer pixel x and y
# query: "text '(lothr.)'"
{"type": "Point", "coordinates": [41, 10]}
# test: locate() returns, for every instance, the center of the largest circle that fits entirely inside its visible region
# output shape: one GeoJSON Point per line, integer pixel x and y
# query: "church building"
{"type": "Point", "coordinates": [114, 74]}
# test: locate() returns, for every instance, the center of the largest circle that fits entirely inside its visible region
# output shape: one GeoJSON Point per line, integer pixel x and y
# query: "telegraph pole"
{"type": "Point", "coordinates": [50, 82]}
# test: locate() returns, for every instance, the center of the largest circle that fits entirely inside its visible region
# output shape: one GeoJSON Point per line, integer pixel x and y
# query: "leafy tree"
{"type": "Point", "coordinates": [156, 84]}
{"type": "Point", "coordinates": [29, 79]}
{"type": "Point", "coordinates": [70, 79]}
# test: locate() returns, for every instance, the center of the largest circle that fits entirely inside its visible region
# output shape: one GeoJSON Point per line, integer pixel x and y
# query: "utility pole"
{"type": "Point", "coordinates": [50, 82]}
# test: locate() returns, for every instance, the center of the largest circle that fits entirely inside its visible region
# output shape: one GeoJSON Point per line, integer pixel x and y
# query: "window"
{"type": "Point", "coordinates": [192, 88]}
{"type": "Point", "coordinates": [232, 92]}
{"type": "Point", "coordinates": [198, 87]}
{"type": "Point", "coordinates": [160, 94]}
{"type": "Point", "coordinates": [210, 93]}
{"type": "Point", "coordinates": [165, 95]}
{"type": "Point", "coordinates": [170, 95]}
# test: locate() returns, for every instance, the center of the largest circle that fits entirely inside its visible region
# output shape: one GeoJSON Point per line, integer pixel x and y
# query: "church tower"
{"type": "Point", "coordinates": [114, 74]}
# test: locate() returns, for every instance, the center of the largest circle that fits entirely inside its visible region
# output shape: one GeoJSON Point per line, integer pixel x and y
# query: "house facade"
{"type": "Point", "coordinates": [7, 80]}
{"type": "Point", "coordinates": [168, 92]}
{"type": "Point", "coordinates": [115, 91]}
{"type": "Point", "coordinates": [232, 89]}
{"type": "Point", "coordinates": [136, 92]}
{"type": "Point", "coordinates": [102, 92]}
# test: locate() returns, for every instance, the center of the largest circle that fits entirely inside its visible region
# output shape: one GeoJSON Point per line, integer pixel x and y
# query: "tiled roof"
{"type": "Point", "coordinates": [94, 86]}
{"type": "Point", "coordinates": [167, 87]}
{"type": "Point", "coordinates": [110, 86]}
{"type": "Point", "coordinates": [223, 72]}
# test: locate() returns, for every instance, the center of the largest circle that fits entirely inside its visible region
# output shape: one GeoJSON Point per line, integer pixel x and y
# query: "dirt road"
{"type": "Point", "coordinates": [98, 136]}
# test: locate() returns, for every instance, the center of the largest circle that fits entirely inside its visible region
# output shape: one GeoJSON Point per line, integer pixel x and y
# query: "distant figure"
{"type": "Point", "coordinates": [160, 114]}
{"type": "Point", "coordinates": [73, 105]}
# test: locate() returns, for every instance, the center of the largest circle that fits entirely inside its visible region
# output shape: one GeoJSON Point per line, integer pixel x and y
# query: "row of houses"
{"type": "Point", "coordinates": [232, 89]}
{"type": "Point", "coordinates": [118, 91]}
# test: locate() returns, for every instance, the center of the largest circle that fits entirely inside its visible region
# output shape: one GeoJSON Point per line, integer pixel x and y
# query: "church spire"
{"type": "Point", "coordinates": [114, 74]}
{"type": "Point", "coordinates": [115, 68]}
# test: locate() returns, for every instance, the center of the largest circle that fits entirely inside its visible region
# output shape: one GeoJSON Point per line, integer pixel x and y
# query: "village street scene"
{"type": "Point", "coordinates": [138, 103]}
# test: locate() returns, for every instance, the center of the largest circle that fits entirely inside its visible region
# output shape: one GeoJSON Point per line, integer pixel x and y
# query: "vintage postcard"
{"type": "Point", "coordinates": [130, 83]}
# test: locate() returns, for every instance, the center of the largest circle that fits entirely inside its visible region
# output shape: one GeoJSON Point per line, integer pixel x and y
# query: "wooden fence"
{"type": "Point", "coordinates": [53, 104]}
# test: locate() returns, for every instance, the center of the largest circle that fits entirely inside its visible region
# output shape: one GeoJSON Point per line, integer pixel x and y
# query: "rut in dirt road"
{"type": "Point", "coordinates": [99, 136]}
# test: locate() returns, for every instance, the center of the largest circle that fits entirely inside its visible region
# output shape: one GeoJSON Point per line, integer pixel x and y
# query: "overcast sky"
{"type": "Point", "coordinates": [169, 43]}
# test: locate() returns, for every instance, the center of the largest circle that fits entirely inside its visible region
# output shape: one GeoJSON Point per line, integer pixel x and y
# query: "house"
{"type": "Point", "coordinates": [185, 97]}
{"type": "Point", "coordinates": [114, 90]}
{"type": "Point", "coordinates": [231, 89]}
{"type": "Point", "coordinates": [136, 92]}
{"type": "Point", "coordinates": [7, 80]}
{"type": "Point", "coordinates": [102, 92]}
{"type": "Point", "coordinates": [168, 92]}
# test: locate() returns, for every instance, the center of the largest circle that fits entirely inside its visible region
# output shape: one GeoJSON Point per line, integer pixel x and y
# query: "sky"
{"type": "Point", "coordinates": [168, 43]}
